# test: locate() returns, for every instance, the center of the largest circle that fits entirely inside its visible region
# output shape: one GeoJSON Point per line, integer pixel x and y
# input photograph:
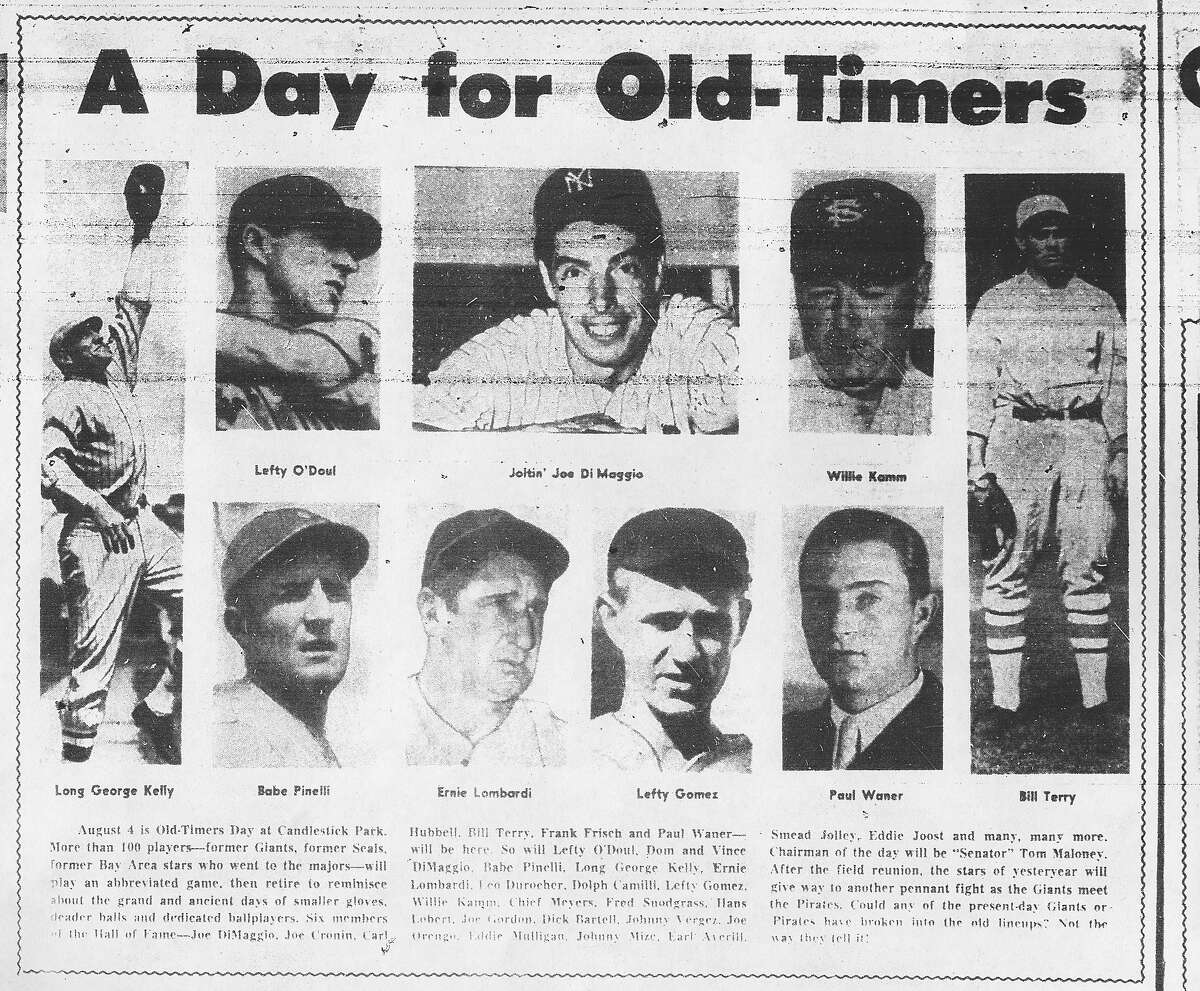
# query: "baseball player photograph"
{"type": "Point", "coordinates": [673, 609]}
{"type": "Point", "coordinates": [486, 583]}
{"type": "Point", "coordinates": [867, 603]}
{"type": "Point", "coordinates": [297, 348]}
{"type": "Point", "coordinates": [862, 361]}
{"type": "Point", "coordinates": [290, 576]}
{"type": "Point", "coordinates": [634, 281]}
{"type": "Point", "coordinates": [112, 434]}
{"type": "Point", "coordinates": [1047, 472]}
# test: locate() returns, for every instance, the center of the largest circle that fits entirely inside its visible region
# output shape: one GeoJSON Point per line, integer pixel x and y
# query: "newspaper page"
{"type": "Point", "coordinates": [670, 495]}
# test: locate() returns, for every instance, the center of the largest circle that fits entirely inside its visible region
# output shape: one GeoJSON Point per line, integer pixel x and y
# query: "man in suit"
{"type": "Point", "coordinates": [866, 602]}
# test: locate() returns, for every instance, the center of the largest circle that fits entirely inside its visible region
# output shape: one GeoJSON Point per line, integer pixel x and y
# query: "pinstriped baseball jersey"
{"type": "Point", "coordinates": [97, 426]}
{"type": "Point", "coordinates": [516, 374]}
{"type": "Point", "coordinates": [1063, 347]}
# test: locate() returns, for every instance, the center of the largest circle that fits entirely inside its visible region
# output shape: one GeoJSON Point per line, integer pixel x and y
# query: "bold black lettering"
{"type": "Point", "coordinates": [277, 94]}
{"type": "Point", "coordinates": [976, 101]}
{"type": "Point", "coordinates": [439, 82]}
{"type": "Point", "coordinates": [908, 96]}
{"type": "Point", "coordinates": [1065, 96]}
{"type": "Point", "coordinates": [810, 72]}
{"type": "Point", "coordinates": [679, 87]}
{"type": "Point", "coordinates": [1189, 69]}
{"type": "Point", "coordinates": [529, 88]}
{"type": "Point", "coordinates": [648, 96]}
{"type": "Point", "coordinates": [348, 97]}
{"type": "Point", "coordinates": [499, 95]}
{"type": "Point", "coordinates": [737, 89]}
{"type": "Point", "coordinates": [211, 95]}
{"type": "Point", "coordinates": [113, 84]}
{"type": "Point", "coordinates": [1017, 98]}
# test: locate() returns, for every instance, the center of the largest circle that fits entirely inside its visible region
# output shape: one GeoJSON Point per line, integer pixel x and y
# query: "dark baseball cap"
{"type": "Point", "coordinates": [66, 335]}
{"type": "Point", "coordinates": [269, 533]}
{"type": "Point", "coordinates": [286, 202]}
{"type": "Point", "coordinates": [623, 197]}
{"type": "Point", "coordinates": [676, 543]}
{"type": "Point", "coordinates": [477, 532]}
{"type": "Point", "coordinates": [860, 229]}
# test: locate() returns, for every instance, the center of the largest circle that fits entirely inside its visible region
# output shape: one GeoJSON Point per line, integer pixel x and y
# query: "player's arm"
{"type": "Point", "coordinates": [60, 482]}
{"type": "Point", "coordinates": [983, 388]}
{"type": "Point", "coordinates": [1113, 407]}
{"type": "Point", "coordinates": [316, 359]}
{"type": "Point", "coordinates": [143, 200]}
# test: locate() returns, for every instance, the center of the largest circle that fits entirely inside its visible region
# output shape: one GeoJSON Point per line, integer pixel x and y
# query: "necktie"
{"type": "Point", "coordinates": [847, 743]}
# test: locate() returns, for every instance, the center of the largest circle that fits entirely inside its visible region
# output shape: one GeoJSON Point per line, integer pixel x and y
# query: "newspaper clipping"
{"type": "Point", "coordinates": [566, 406]}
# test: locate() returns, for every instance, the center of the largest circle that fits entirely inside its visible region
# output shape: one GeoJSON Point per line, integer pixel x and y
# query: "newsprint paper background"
{"type": "Point", "coordinates": [757, 543]}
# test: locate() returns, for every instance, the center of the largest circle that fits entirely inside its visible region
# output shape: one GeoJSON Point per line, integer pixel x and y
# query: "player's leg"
{"type": "Point", "coordinates": [1085, 525]}
{"type": "Point", "coordinates": [163, 583]}
{"type": "Point", "coordinates": [99, 588]}
{"type": "Point", "coordinates": [1016, 457]}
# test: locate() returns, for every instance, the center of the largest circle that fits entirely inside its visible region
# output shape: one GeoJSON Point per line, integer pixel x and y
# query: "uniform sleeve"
{"type": "Point", "coordinates": [713, 376]}
{"type": "Point", "coordinates": [131, 310]}
{"type": "Point", "coordinates": [986, 346]}
{"type": "Point", "coordinates": [62, 422]}
{"type": "Point", "coordinates": [1113, 363]}
{"type": "Point", "coordinates": [317, 358]}
{"type": "Point", "coordinates": [461, 394]}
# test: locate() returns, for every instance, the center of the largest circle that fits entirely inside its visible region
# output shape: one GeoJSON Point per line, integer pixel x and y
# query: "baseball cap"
{"type": "Point", "coordinates": [858, 228]}
{"type": "Point", "coordinates": [269, 532]}
{"type": "Point", "coordinates": [67, 334]}
{"type": "Point", "coordinates": [682, 543]}
{"type": "Point", "coordinates": [476, 532]}
{"type": "Point", "coordinates": [304, 201]}
{"type": "Point", "coordinates": [623, 197]}
{"type": "Point", "coordinates": [1034, 206]}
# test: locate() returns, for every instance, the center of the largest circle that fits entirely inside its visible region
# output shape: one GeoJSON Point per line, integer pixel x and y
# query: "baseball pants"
{"type": "Point", "coordinates": [1053, 472]}
{"type": "Point", "coordinates": [100, 588]}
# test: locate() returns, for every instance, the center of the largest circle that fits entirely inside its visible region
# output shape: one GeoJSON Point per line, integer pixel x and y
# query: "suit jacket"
{"type": "Point", "coordinates": [910, 742]}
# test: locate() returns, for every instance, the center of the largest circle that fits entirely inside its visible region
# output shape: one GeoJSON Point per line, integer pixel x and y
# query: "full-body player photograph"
{"type": "Point", "coordinates": [1047, 473]}
{"type": "Point", "coordinates": [94, 471]}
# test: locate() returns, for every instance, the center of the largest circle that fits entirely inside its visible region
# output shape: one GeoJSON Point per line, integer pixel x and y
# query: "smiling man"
{"type": "Point", "coordinates": [860, 274]}
{"type": "Point", "coordinates": [287, 582]}
{"type": "Point", "coordinates": [485, 588]}
{"type": "Point", "coordinates": [675, 608]}
{"type": "Point", "coordinates": [866, 603]}
{"type": "Point", "coordinates": [612, 355]}
{"type": "Point", "coordinates": [285, 359]}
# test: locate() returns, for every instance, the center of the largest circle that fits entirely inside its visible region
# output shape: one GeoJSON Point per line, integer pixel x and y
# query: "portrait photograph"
{"type": "Point", "coordinates": [297, 264]}
{"type": "Point", "coordinates": [298, 642]}
{"type": "Point", "coordinates": [861, 347]}
{"type": "Point", "coordinates": [862, 676]}
{"type": "Point", "coordinates": [576, 300]}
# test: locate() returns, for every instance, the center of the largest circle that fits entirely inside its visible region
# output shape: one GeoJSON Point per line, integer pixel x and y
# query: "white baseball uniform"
{"type": "Point", "coordinates": [1048, 394]}
{"type": "Point", "coordinates": [901, 409]}
{"type": "Point", "coordinates": [96, 427]}
{"type": "Point", "coordinates": [516, 374]}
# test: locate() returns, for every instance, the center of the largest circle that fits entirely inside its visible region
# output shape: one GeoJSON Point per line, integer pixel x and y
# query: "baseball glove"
{"type": "Point", "coordinates": [990, 516]}
{"type": "Point", "coordinates": [143, 197]}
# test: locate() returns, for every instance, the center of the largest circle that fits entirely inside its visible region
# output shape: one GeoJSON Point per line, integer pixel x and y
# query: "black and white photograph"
{"type": "Point", "coordinates": [297, 318]}
{"type": "Point", "coordinates": [111, 463]}
{"type": "Point", "coordinates": [862, 686]}
{"type": "Point", "coordinates": [862, 345]}
{"type": "Point", "coordinates": [1047, 473]}
{"type": "Point", "coordinates": [579, 300]}
{"type": "Point", "coordinates": [299, 642]}
{"type": "Point", "coordinates": [673, 606]}
{"type": "Point", "coordinates": [487, 583]}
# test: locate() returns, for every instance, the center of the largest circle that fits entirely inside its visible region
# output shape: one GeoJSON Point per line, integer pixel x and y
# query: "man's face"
{"type": "Point", "coordinates": [856, 332]}
{"type": "Point", "coordinates": [493, 631]}
{"type": "Point", "coordinates": [862, 623]}
{"type": "Point", "coordinates": [1046, 246]}
{"type": "Point", "coordinates": [606, 288]}
{"type": "Point", "coordinates": [677, 644]}
{"type": "Point", "coordinates": [293, 622]}
{"type": "Point", "coordinates": [306, 273]}
{"type": "Point", "coordinates": [89, 352]}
